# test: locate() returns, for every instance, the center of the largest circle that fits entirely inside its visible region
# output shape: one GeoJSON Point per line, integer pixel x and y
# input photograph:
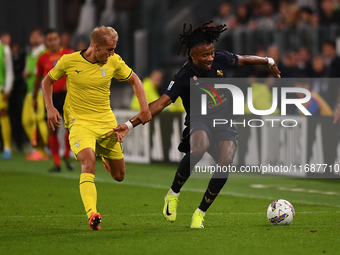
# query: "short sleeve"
{"type": "Point", "coordinates": [229, 59]}
{"type": "Point", "coordinates": [174, 89]}
{"type": "Point", "coordinates": [58, 71]}
{"type": "Point", "coordinates": [122, 71]}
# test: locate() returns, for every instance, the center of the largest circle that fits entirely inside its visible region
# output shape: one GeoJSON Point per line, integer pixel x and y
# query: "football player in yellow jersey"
{"type": "Point", "coordinates": [87, 111]}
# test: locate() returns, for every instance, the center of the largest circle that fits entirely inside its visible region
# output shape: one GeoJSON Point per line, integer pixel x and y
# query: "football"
{"type": "Point", "coordinates": [280, 212]}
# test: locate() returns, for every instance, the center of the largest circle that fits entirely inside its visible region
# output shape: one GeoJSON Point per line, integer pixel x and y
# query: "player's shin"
{"type": "Point", "coordinates": [88, 193]}
{"type": "Point", "coordinates": [215, 185]}
{"type": "Point", "coordinates": [183, 172]}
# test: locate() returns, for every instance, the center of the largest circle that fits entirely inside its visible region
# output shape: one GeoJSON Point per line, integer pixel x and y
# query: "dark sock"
{"type": "Point", "coordinates": [214, 188]}
{"type": "Point", "coordinates": [183, 172]}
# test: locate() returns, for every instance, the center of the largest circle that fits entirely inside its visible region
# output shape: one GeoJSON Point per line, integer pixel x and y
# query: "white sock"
{"type": "Point", "coordinates": [199, 210]}
{"type": "Point", "coordinates": [7, 149]}
{"type": "Point", "coordinates": [173, 193]}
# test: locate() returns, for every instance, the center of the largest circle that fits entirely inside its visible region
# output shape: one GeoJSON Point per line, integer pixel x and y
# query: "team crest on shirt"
{"type": "Point", "coordinates": [103, 71]}
{"type": "Point", "coordinates": [220, 73]}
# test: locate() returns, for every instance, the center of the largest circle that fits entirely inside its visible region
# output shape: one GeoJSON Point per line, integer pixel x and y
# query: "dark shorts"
{"type": "Point", "coordinates": [215, 134]}
{"type": "Point", "coordinates": [58, 101]}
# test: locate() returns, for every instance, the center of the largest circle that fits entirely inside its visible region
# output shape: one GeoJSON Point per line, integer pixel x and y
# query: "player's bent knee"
{"type": "Point", "coordinates": [119, 177]}
{"type": "Point", "coordinates": [87, 161]}
{"type": "Point", "coordinates": [117, 169]}
{"type": "Point", "coordinates": [88, 167]}
{"type": "Point", "coordinates": [197, 152]}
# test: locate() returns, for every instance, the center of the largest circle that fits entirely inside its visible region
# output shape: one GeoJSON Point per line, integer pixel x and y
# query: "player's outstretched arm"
{"type": "Point", "coordinates": [155, 107]}
{"type": "Point", "coordinates": [53, 115]}
{"type": "Point", "coordinates": [255, 60]}
{"type": "Point", "coordinates": [145, 115]}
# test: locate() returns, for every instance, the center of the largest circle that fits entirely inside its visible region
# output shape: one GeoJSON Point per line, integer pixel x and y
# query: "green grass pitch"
{"type": "Point", "coordinates": [42, 213]}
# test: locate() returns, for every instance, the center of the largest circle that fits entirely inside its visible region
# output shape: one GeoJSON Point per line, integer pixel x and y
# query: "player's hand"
{"type": "Point", "coordinates": [337, 115]}
{"type": "Point", "coordinates": [143, 116]}
{"type": "Point", "coordinates": [275, 70]}
{"type": "Point", "coordinates": [120, 132]}
{"type": "Point", "coordinates": [53, 117]}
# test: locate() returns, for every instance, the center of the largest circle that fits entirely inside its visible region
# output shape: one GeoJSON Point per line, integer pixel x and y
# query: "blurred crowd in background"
{"type": "Point", "coordinates": [302, 36]}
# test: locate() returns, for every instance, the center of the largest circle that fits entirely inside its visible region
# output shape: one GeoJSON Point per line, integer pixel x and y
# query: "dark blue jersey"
{"type": "Point", "coordinates": [180, 86]}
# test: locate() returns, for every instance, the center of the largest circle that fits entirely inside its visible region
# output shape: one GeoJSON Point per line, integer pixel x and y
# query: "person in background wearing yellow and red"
{"type": "Point", "coordinates": [45, 63]}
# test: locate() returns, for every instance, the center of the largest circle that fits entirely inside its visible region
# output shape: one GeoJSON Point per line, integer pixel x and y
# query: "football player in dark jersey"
{"type": "Point", "coordinates": [199, 137]}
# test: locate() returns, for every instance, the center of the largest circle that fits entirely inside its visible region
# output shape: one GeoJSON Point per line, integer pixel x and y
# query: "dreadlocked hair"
{"type": "Point", "coordinates": [201, 34]}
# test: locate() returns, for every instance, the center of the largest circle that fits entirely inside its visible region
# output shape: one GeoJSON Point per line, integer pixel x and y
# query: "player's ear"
{"type": "Point", "coordinates": [96, 46]}
{"type": "Point", "coordinates": [192, 55]}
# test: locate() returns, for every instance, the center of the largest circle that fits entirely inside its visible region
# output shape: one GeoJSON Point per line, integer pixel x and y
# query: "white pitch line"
{"type": "Point", "coordinates": [148, 215]}
{"type": "Point", "coordinates": [158, 186]}
{"type": "Point", "coordinates": [262, 186]}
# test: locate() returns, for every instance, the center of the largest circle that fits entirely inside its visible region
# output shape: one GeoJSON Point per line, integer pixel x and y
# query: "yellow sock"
{"type": "Point", "coordinates": [88, 193]}
{"type": "Point", "coordinates": [6, 131]}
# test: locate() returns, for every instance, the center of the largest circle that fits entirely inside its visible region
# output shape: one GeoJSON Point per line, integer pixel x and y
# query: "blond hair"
{"type": "Point", "coordinates": [101, 35]}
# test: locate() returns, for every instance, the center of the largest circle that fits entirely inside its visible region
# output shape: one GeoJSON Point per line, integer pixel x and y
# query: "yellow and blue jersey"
{"type": "Point", "coordinates": [88, 86]}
